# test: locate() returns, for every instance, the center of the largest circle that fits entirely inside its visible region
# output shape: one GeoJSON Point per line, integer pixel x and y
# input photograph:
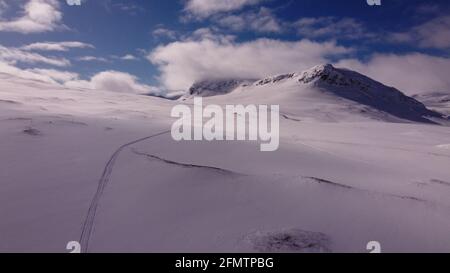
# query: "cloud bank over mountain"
{"type": "Point", "coordinates": [184, 62]}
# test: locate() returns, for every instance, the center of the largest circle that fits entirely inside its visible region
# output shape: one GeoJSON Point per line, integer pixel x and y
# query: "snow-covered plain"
{"type": "Point", "coordinates": [346, 173]}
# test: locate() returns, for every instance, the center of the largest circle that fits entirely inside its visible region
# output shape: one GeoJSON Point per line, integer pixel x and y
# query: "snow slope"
{"type": "Point", "coordinates": [341, 178]}
{"type": "Point", "coordinates": [437, 101]}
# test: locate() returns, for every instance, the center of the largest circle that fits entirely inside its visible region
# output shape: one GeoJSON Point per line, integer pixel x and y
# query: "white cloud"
{"type": "Point", "coordinates": [36, 16]}
{"type": "Point", "coordinates": [206, 33]}
{"type": "Point", "coordinates": [92, 59]}
{"type": "Point", "coordinates": [14, 55]}
{"type": "Point", "coordinates": [206, 8]}
{"type": "Point", "coordinates": [432, 34]}
{"type": "Point", "coordinates": [126, 57]}
{"type": "Point", "coordinates": [261, 21]}
{"type": "Point", "coordinates": [3, 7]}
{"type": "Point", "coordinates": [56, 75]}
{"type": "Point", "coordinates": [113, 81]}
{"type": "Point", "coordinates": [162, 32]}
{"type": "Point", "coordinates": [56, 46]}
{"type": "Point", "coordinates": [411, 73]}
{"type": "Point", "coordinates": [129, 57]}
{"type": "Point", "coordinates": [44, 75]}
{"type": "Point", "coordinates": [184, 62]}
{"type": "Point", "coordinates": [22, 73]}
{"type": "Point", "coordinates": [338, 28]}
{"type": "Point", "coordinates": [129, 8]}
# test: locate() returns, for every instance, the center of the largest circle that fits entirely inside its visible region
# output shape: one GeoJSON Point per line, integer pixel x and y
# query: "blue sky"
{"type": "Point", "coordinates": [167, 45]}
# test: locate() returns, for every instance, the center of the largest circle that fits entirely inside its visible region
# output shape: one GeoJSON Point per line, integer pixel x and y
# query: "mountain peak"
{"type": "Point", "coordinates": [323, 71]}
{"type": "Point", "coordinates": [323, 67]}
{"type": "Point", "coordinates": [305, 76]}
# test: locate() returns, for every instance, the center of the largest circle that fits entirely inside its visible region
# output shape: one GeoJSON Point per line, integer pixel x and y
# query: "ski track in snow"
{"type": "Point", "coordinates": [440, 182]}
{"type": "Point", "coordinates": [186, 165]}
{"type": "Point", "coordinates": [346, 187]}
{"type": "Point", "coordinates": [88, 223]}
{"type": "Point", "coordinates": [328, 182]}
{"type": "Point", "coordinates": [290, 118]}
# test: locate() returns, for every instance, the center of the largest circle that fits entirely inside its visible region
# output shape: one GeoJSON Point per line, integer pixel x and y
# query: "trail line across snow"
{"type": "Point", "coordinates": [88, 223]}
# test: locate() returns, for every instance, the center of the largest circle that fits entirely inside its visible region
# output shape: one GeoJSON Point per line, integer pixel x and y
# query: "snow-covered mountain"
{"type": "Point", "coordinates": [340, 88]}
